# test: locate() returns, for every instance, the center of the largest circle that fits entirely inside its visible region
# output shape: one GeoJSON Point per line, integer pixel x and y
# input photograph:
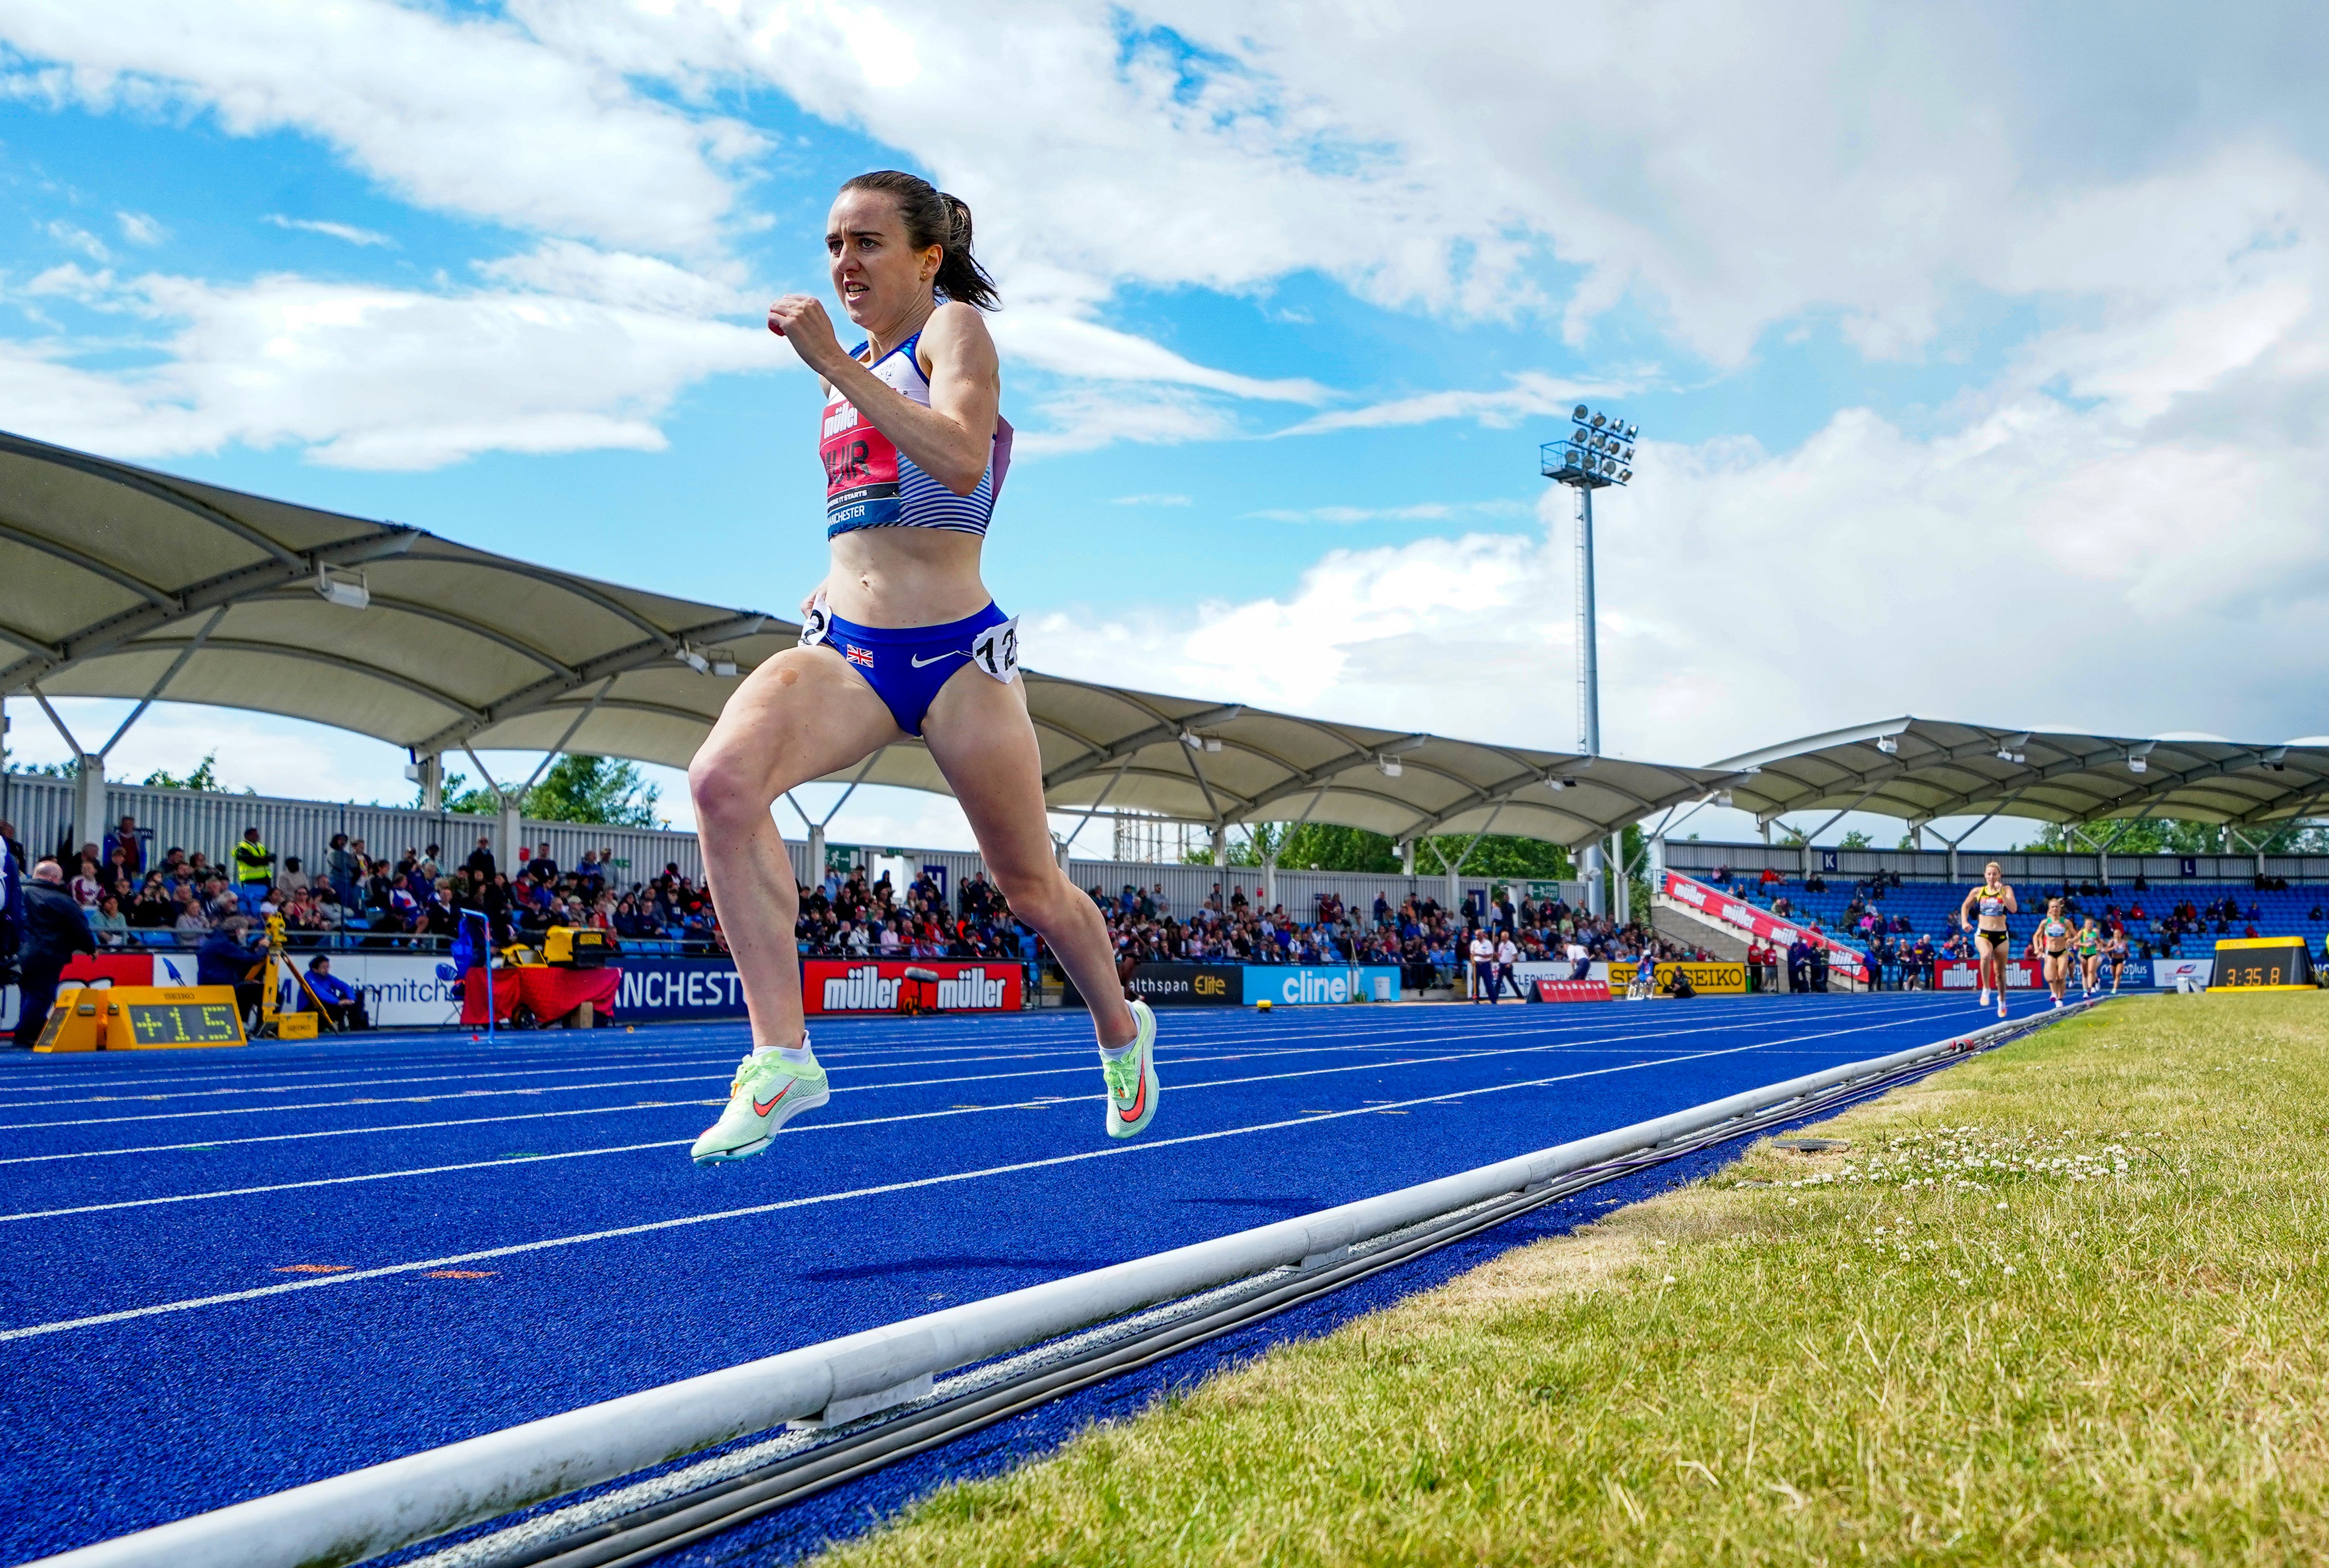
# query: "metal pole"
{"type": "Point", "coordinates": [1589, 685]}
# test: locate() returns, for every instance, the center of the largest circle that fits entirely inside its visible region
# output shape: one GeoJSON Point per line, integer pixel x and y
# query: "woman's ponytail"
{"type": "Point", "coordinates": [934, 218]}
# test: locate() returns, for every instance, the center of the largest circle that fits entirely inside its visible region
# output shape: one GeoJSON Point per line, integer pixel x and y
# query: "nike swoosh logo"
{"type": "Point", "coordinates": [921, 663]}
{"type": "Point", "coordinates": [761, 1108]}
{"type": "Point", "coordinates": [1139, 1100]}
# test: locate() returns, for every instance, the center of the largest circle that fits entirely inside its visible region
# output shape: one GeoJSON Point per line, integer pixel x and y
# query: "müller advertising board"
{"type": "Point", "coordinates": [871, 985]}
{"type": "Point", "coordinates": [1761, 922]}
{"type": "Point", "coordinates": [1965, 975]}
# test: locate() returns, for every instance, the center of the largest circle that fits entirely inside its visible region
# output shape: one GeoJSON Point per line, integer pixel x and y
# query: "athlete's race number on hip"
{"type": "Point", "coordinates": [996, 649]}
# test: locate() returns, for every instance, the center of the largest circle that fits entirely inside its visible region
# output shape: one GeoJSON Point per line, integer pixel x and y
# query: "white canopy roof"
{"type": "Point", "coordinates": [118, 581]}
{"type": "Point", "coordinates": [1919, 769]}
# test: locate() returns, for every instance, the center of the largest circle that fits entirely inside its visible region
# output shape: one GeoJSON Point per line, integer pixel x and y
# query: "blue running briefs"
{"type": "Point", "coordinates": [905, 665]}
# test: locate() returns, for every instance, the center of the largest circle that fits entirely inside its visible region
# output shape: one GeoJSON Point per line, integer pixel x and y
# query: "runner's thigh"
{"type": "Point", "coordinates": [980, 735]}
{"type": "Point", "coordinates": [800, 715]}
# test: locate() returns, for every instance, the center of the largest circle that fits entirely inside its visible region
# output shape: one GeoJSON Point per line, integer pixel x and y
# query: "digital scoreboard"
{"type": "Point", "coordinates": [2263, 963]}
{"type": "Point", "coordinates": [143, 1017]}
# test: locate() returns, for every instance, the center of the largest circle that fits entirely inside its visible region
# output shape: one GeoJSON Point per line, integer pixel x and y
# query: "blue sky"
{"type": "Point", "coordinates": [1921, 346]}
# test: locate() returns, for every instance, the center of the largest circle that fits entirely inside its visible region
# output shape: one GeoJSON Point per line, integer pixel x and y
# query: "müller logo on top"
{"type": "Point", "coordinates": [864, 990]}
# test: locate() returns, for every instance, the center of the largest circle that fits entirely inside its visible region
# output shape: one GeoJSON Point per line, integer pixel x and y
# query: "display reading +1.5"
{"type": "Point", "coordinates": [183, 1023]}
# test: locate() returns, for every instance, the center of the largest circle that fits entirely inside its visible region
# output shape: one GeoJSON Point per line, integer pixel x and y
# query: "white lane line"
{"type": "Point", "coordinates": [1617, 1040]}
{"type": "Point", "coordinates": [1303, 1047]}
{"type": "Point", "coordinates": [886, 1120]}
{"type": "Point", "coordinates": [615, 1233]}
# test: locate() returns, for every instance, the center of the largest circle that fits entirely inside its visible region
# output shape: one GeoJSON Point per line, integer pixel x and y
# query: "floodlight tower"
{"type": "Point", "coordinates": [1597, 453]}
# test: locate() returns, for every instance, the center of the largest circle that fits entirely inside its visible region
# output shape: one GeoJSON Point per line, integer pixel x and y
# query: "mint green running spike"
{"type": "Point", "coordinates": [767, 1093]}
{"type": "Point", "coordinates": [1131, 1074]}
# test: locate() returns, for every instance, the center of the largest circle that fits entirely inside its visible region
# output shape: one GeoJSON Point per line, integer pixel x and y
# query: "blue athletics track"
{"type": "Point", "coordinates": [232, 1271]}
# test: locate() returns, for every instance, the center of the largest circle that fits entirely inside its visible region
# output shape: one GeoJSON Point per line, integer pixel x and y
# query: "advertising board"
{"type": "Point", "coordinates": [1965, 975]}
{"type": "Point", "coordinates": [2167, 972]}
{"type": "Point", "coordinates": [1706, 979]}
{"type": "Point", "coordinates": [1757, 921]}
{"type": "Point", "coordinates": [1304, 985]}
{"type": "Point", "coordinates": [1189, 984]}
{"type": "Point", "coordinates": [1573, 990]}
{"type": "Point", "coordinates": [872, 985]}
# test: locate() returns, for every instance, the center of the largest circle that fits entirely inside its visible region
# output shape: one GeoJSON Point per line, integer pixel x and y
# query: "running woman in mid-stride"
{"type": "Point", "coordinates": [1988, 906]}
{"type": "Point", "coordinates": [2053, 943]}
{"type": "Point", "coordinates": [901, 640]}
{"type": "Point", "coordinates": [2090, 957]}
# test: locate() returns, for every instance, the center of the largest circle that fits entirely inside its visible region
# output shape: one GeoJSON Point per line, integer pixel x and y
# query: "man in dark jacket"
{"type": "Point", "coordinates": [224, 959]}
{"type": "Point", "coordinates": [54, 930]}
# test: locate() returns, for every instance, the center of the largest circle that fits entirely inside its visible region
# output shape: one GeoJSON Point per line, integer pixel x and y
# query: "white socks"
{"type": "Point", "coordinates": [799, 1055]}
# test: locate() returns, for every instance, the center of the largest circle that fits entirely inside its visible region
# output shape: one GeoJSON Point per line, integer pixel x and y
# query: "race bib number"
{"type": "Point", "coordinates": [996, 649]}
{"type": "Point", "coordinates": [816, 623]}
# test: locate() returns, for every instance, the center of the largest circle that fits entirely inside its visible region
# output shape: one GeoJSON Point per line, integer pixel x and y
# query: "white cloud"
{"type": "Point", "coordinates": [470, 115]}
{"type": "Point", "coordinates": [347, 231]}
{"type": "Point", "coordinates": [141, 229]}
{"type": "Point", "coordinates": [1066, 345]}
{"type": "Point", "coordinates": [1149, 501]}
{"type": "Point", "coordinates": [1082, 419]}
{"type": "Point", "coordinates": [1528, 395]}
{"type": "Point", "coordinates": [1425, 511]}
{"type": "Point", "coordinates": [75, 238]}
{"type": "Point", "coordinates": [374, 377]}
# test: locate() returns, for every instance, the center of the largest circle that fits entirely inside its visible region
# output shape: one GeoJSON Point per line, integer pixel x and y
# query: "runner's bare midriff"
{"type": "Point", "coordinates": [905, 577]}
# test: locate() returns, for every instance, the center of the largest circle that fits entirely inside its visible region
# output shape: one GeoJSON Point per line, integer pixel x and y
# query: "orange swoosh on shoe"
{"type": "Point", "coordinates": [1139, 1100]}
{"type": "Point", "coordinates": [761, 1108]}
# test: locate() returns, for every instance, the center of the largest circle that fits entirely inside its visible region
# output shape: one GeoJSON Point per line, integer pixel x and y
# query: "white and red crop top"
{"type": "Point", "coordinates": [870, 483]}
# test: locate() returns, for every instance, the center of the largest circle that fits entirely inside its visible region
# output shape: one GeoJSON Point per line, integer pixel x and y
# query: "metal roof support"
{"type": "Point", "coordinates": [551, 756]}
{"type": "Point", "coordinates": [1070, 841]}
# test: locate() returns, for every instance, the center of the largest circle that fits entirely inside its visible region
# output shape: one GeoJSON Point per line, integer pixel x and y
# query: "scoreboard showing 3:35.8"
{"type": "Point", "coordinates": [2263, 963]}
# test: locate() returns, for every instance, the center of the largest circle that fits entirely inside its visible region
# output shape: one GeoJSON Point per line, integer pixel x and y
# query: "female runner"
{"type": "Point", "coordinates": [2090, 956]}
{"type": "Point", "coordinates": [1993, 942]}
{"type": "Point", "coordinates": [2054, 933]}
{"type": "Point", "coordinates": [2114, 958]}
{"type": "Point", "coordinates": [901, 639]}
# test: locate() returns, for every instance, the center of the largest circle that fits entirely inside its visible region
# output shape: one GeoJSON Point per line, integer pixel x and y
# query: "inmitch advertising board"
{"type": "Point", "coordinates": [1755, 920]}
{"type": "Point", "coordinates": [2167, 972]}
{"type": "Point", "coordinates": [1189, 984]}
{"type": "Point", "coordinates": [1306, 985]}
{"type": "Point", "coordinates": [872, 985]}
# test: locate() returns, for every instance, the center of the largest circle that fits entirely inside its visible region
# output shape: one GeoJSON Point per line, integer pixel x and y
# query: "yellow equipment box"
{"type": "Point", "coordinates": [574, 947]}
{"type": "Point", "coordinates": [143, 1017]}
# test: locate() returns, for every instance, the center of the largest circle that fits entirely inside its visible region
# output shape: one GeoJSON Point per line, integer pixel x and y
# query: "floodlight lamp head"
{"type": "Point", "coordinates": [338, 586]}
{"type": "Point", "coordinates": [2138, 764]}
{"type": "Point", "coordinates": [1623, 474]}
{"type": "Point", "coordinates": [1389, 766]}
{"type": "Point", "coordinates": [693, 660]}
{"type": "Point", "coordinates": [1599, 421]}
{"type": "Point", "coordinates": [1631, 431]}
{"type": "Point", "coordinates": [1580, 415]}
{"type": "Point", "coordinates": [1889, 745]}
{"type": "Point", "coordinates": [724, 666]}
{"type": "Point", "coordinates": [1723, 799]}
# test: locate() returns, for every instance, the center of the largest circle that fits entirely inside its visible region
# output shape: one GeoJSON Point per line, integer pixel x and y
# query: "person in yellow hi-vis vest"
{"type": "Point", "coordinates": [253, 872]}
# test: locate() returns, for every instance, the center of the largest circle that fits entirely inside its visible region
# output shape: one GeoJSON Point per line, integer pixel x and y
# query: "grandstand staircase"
{"type": "Point", "coordinates": [1678, 922]}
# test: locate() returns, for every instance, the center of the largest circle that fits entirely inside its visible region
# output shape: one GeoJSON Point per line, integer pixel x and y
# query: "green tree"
{"type": "Point", "coordinates": [597, 790]}
{"type": "Point", "coordinates": [203, 777]}
{"type": "Point", "coordinates": [2175, 836]}
{"type": "Point", "coordinates": [1856, 839]}
{"type": "Point", "coordinates": [1325, 846]}
{"type": "Point", "coordinates": [594, 789]}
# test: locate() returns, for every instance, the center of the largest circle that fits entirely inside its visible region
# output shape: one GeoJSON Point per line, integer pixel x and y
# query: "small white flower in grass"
{"type": "Point", "coordinates": [1670, 1279]}
{"type": "Point", "coordinates": [2000, 1208]}
{"type": "Point", "coordinates": [2009, 1268]}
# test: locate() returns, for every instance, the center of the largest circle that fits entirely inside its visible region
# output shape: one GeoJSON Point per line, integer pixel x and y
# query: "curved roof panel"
{"type": "Point", "coordinates": [1919, 769]}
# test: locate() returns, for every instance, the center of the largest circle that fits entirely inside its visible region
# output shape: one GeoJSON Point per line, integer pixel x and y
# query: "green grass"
{"type": "Point", "coordinates": [2091, 1331]}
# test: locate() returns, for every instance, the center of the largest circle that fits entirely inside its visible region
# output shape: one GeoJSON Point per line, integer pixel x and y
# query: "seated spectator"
{"type": "Point", "coordinates": [340, 1002]}
{"type": "Point", "coordinates": [191, 920]}
{"type": "Point", "coordinates": [292, 878]}
{"type": "Point", "coordinates": [542, 868]}
{"type": "Point", "coordinates": [152, 909]}
{"type": "Point", "coordinates": [107, 923]}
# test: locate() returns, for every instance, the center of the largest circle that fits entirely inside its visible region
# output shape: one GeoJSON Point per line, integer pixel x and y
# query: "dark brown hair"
{"type": "Point", "coordinates": [934, 218]}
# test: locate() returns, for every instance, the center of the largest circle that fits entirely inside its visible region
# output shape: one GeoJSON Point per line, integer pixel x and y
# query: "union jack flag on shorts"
{"type": "Point", "coordinates": [858, 655]}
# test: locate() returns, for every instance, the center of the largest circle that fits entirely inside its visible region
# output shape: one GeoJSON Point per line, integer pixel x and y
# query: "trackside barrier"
{"type": "Point", "coordinates": [385, 1506]}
